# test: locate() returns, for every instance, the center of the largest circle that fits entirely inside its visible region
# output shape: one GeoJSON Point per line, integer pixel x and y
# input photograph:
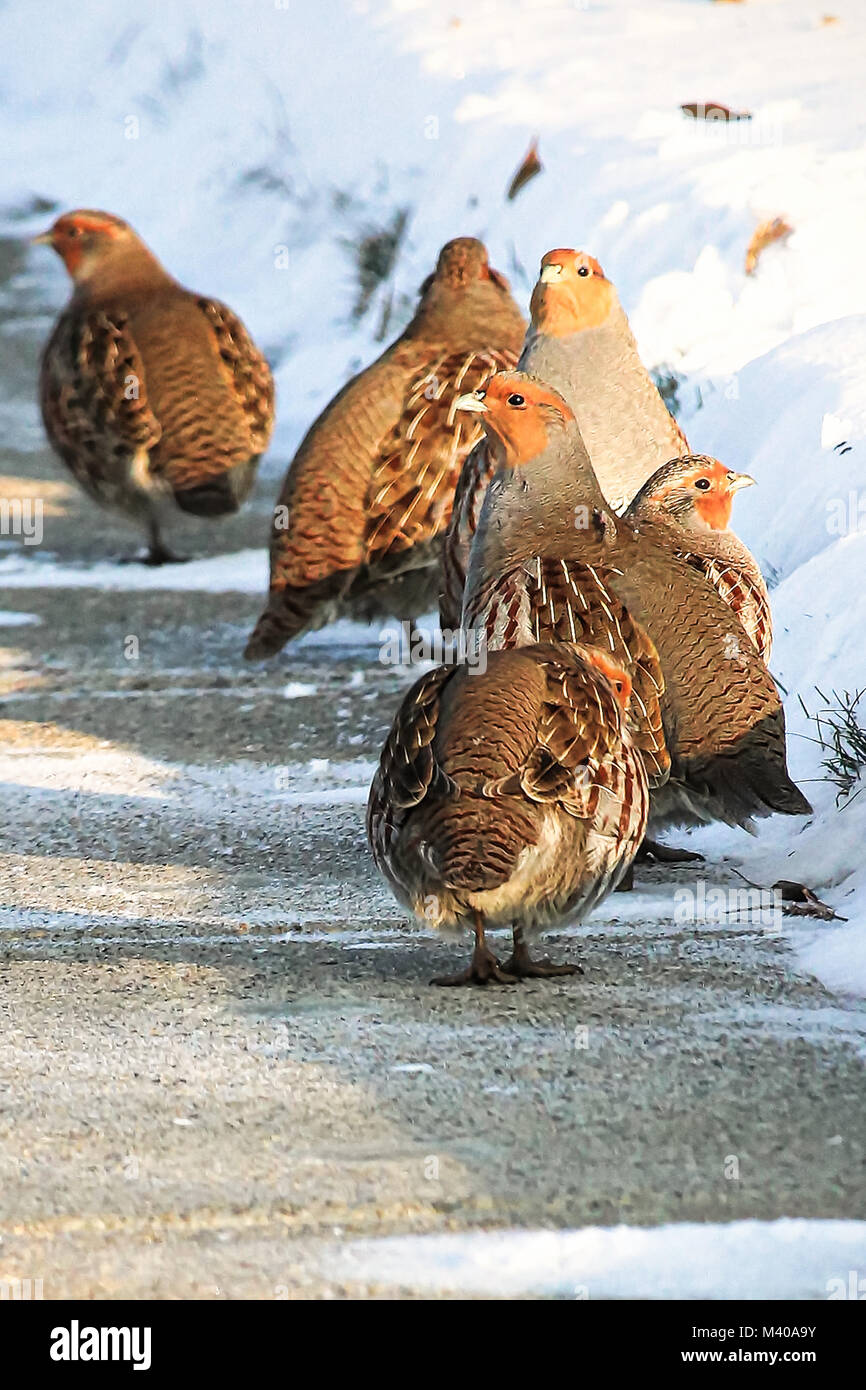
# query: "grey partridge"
{"type": "Point", "coordinates": [549, 556]}
{"type": "Point", "coordinates": [149, 391]}
{"type": "Point", "coordinates": [693, 496]}
{"type": "Point", "coordinates": [369, 492]}
{"type": "Point", "coordinates": [509, 797]}
{"type": "Point", "coordinates": [579, 342]}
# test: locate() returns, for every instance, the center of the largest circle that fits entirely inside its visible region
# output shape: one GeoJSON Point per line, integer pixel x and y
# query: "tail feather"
{"type": "Point", "coordinates": [222, 495]}
{"type": "Point", "coordinates": [291, 611]}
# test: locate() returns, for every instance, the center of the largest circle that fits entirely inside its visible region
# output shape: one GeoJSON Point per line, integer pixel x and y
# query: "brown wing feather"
{"type": "Point", "coordinates": [567, 601]}
{"type": "Point", "coordinates": [449, 807]}
{"type": "Point", "coordinates": [579, 731]}
{"type": "Point", "coordinates": [413, 482]}
{"type": "Point", "coordinates": [94, 400]}
{"type": "Point", "coordinates": [370, 486]}
{"type": "Point", "coordinates": [475, 475]}
{"type": "Point", "coordinates": [745, 592]}
{"type": "Point", "coordinates": [250, 373]}
{"type": "Point", "coordinates": [407, 767]}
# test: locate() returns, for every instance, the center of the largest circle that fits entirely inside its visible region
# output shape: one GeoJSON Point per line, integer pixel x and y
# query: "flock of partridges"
{"type": "Point", "coordinates": [529, 480]}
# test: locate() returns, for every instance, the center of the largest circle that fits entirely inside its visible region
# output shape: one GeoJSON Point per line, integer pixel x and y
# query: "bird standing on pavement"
{"type": "Point", "coordinates": [359, 525]}
{"type": "Point", "coordinates": [149, 392]}
{"type": "Point", "coordinates": [551, 562]}
{"type": "Point", "coordinates": [509, 797]}
{"type": "Point", "coordinates": [579, 342]}
{"type": "Point", "coordinates": [693, 495]}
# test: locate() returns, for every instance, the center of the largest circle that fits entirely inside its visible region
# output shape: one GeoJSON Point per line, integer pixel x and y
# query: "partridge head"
{"type": "Point", "coordinates": [572, 293]}
{"type": "Point", "coordinates": [98, 246]}
{"type": "Point", "coordinates": [694, 491]}
{"type": "Point", "coordinates": [521, 417]}
{"type": "Point", "coordinates": [691, 497]}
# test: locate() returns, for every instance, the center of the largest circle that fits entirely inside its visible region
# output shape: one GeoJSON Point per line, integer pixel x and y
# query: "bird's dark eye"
{"type": "Point", "coordinates": [514, 399]}
{"type": "Point", "coordinates": [583, 270]}
{"type": "Point", "coordinates": [703, 484]}
{"type": "Point", "coordinates": [72, 231]}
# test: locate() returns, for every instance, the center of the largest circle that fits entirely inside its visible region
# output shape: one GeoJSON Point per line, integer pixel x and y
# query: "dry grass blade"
{"type": "Point", "coordinates": [842, 738]}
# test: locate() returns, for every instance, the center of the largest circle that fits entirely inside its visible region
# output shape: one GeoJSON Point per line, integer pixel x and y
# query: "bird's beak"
{"type": "Point", "coordinates": [740, 480]}
{"type": "Point", "coordinates": [43, 239]}
{"type": "Point", "coordinates": [471, 402]}
{"type": "Point", "coordinates": [550, 274]}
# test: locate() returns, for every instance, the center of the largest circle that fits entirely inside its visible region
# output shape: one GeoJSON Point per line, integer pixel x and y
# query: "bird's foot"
{"type": "Point", "coordinates": [667, 854]}
{"type": "Point", "coordinates": [521, 966]}
{"type": "Point", "coordinates": [484, 969]}
{"type": "Point", "coordinates": [161, 555]}
{"type": "Point", "coordinates": [154, 555]}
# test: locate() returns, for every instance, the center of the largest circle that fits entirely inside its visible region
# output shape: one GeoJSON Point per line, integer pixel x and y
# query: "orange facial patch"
{"type": "Point", "coordinates": [71, 232]}
{"type": "Point", "coordinates": [619, 679]}
{"type": "Point", "coordinates": [580, 298]}
{"type": "Point", "coordinates": [534, 393]}
{"type": "Point", "coordinates": [713, 504]}
{"type": "Point", "coordinates": [714, 508]}
{"type": "Point", "coordinates": [522, 429]}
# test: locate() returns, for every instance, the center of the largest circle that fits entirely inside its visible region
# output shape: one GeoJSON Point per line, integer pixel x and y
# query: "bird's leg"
{"type": "Point", "coordinates": [667, 854]}
{"type": "Point", "coordinates": [521, 965]}
{"type": "Point", "coordinates": [158, 552]}
{"type": "Point", "coordinates": [626, 883]}
{"type": "Point", "coordinates": [483, 968]}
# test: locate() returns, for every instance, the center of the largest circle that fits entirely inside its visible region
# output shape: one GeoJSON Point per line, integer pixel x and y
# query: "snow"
{"type": "Point", "coordinates": [229, 131]}
{"type": "Point", "coordinates": [245, 572]}
{"type": "Point", "coordinates": [8, 619]}
{"type": "Point", "coordinates": [787, 1259]}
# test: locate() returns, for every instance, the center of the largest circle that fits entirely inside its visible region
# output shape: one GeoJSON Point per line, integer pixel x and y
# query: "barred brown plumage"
{"type": "Point", "coordinates": [693, 496]}
{"type": "Point", "coordinates": [580, 342]}
{"type": "Point", "coordinates": [529, 826]}
{"type": "Point", "coordinates": [369, 492]}
{"type": "Point", "coordinates": [721, 715]}
{"type": "Point", "coordinates": [149, 391]}
{"type": "Point", "coordinates": [559, 600]}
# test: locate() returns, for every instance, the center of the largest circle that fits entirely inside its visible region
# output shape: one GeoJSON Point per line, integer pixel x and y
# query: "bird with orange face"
{"type": "Point", "coordinates": [149, 392]}
{"type": "Point", "coordinates": [550, 562]}
{"type": "Point", "coordinates": [693, 496]}
{"type": "Point", "coordinates": [579, 342]}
